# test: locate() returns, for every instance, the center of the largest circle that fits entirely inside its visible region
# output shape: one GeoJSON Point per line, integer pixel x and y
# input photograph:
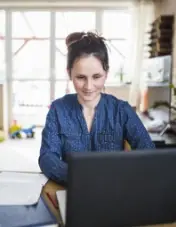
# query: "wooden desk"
{"type": "Point", "coordinates": [52, 187]}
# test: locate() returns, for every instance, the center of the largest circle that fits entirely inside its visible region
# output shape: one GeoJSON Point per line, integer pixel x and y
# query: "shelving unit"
{"type": "Point", "coordinates": [161, 36]}
{"type": "Point", "coordinates": [161, 46]}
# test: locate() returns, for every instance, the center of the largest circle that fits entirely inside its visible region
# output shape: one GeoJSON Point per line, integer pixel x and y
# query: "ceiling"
{"type": "Point", "coordinates": [63, 3]}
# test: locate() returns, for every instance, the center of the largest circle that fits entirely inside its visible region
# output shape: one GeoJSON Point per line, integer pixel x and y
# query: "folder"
{"type": "Point", "coordinates": [26, 216]}
{"type": "Point", "coordinates": [20, 188]}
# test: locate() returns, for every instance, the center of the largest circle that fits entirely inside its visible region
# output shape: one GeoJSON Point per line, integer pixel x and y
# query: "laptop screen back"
{"type": "Point", "coordinates": [121, 188]}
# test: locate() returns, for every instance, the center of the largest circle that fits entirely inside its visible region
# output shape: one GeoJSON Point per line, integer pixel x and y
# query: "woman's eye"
{"type": "Point", "coordinates": [96, 77]}
{"type": "Point", "coordinates": [80, 77]}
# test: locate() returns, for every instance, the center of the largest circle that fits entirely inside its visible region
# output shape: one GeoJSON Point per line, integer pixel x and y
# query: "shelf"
{"type": "Point", "coordinates": [163, 19]}
{"type": "Point", "coordinates": [161, 36]}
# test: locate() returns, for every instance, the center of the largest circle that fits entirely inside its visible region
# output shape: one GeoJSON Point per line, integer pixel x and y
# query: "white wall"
{"type": "Point", "coordinates": [155, 93]}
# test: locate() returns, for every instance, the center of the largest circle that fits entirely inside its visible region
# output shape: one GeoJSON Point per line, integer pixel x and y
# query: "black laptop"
{"type": "Point", "coordinates": [111, 189]}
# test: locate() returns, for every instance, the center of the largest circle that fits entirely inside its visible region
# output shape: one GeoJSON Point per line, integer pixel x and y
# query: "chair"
{"type": "Point", "coordinates": [127, 146]}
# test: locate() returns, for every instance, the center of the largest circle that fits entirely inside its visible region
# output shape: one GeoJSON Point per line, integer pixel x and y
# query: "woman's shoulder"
{"type": "Point", "coordinates": [117, 107]}
{"type": "Point", "coordinates": [67, 101]}
{"type": "Point", "coordinates": [112, 100]}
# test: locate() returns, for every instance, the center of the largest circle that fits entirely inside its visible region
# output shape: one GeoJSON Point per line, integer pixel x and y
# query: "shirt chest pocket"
{"type": "Point", "coordinates": [110, 141]}
{"type": "Point", "coordinates": [71, 142]}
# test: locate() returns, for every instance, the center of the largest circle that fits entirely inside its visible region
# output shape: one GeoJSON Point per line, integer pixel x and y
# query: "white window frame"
{"type": "Point", "coordinates": [98, 9]}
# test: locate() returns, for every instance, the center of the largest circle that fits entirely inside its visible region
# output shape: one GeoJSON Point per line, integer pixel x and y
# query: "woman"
{"type": "Point", "coordinates": [88, 120]}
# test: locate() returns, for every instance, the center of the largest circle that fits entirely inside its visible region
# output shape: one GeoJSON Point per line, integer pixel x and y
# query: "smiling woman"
{"type": "Point", "coordinates": [88, 120]}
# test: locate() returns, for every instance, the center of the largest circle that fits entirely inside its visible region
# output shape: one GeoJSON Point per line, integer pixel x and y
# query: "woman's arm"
{"type": "Point", "coordinates": [50, 159]}
{"type": "Point", "coordinates": [134, 130]}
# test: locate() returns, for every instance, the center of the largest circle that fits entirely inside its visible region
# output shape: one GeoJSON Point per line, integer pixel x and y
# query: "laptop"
{"type": "Point", "coordinates": [111, 189]}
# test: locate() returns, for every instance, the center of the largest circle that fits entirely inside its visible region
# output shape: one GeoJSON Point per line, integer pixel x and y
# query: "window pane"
{"type": "Point", "coordinates": [30, 102]}
{"type": "Point", "coordinates": [30, 60]}
{"type": "Point", "coordinates": [30, 44]}
{"type": "Point", "coordinates": [61, 63]}
{"type": "Point", "coordinates": [118, 59]}
{"type": "Point", "coordinates": [2, 21]}
{"type": "Point", "coordinates": [2, 45]}
{"type": "Point", "coordinates": [61, 88]}
{"type": "Point", "coordinates": [116, 24]}
{"type": "Point", "coordinates": [67, 22]}
{"type": "Point", "coordinates": [2, 60]}
{"type": "Point", "coordinates": [28, 24]}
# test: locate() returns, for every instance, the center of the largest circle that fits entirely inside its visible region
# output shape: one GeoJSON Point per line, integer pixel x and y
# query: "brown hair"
{"type": "Point", "coordinates": [73, 37]}
{"type": "Point", "coordinates": [86, 43]}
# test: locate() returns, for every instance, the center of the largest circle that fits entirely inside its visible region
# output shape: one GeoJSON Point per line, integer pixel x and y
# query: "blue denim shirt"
{"type": "Point", "coordinates": [66, 131]}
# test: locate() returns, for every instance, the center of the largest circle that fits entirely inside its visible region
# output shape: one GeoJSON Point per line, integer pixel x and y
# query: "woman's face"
{"type": "Point", "coordinates": [88, 77]}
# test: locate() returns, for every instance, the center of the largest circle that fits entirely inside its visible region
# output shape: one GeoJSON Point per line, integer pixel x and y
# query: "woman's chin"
{"type": "Point", "coordinates": [86, 98]}
{"type": "Point", "coordinates": [89, 97]}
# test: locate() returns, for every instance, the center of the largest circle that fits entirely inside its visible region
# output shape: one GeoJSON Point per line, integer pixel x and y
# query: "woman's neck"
{"type": "Point", "coordinates": [89, 105]}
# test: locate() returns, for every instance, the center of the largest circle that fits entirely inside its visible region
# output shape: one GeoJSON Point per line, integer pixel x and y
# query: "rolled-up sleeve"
{"type": "Point", "coordinates": [134, 131]}
{"type": "Point", "coordinates": [50, 159]}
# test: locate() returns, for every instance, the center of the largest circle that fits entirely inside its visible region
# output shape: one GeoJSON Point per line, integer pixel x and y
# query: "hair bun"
{"type": "Point", "coordinates": [73, 37]}
{"type": "Point", "coordinates": [94, 37]}
{"type": "Point", "coordinates": [88, 37]}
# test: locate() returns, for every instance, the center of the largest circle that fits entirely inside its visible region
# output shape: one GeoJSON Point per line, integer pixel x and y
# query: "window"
{"type": "Point", "coordinates": [61, 88]}
{"type": "Point", "coordinates": [2, 45]}
{"type": "Point", "coordinates": [118, 61]}
{"type": "Point", "coordinates": [60, 61]}
{"type": "Point", "coordinates": [32, 55]}
{"type": "Point", "coordinates": [120, 24]}
{"type": "Point", "coordinates": [67, 22]}
{"type": "Point", "coordinates": [31, 61]}
{"type": "Point", "coordinates": [30, 44]}
{"type": "Point", "coordinates": [118, 34]}
{"type": "Point", "coordinates": [28, 24]}
{"type": "Point", "coordinates": [31, 100]}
